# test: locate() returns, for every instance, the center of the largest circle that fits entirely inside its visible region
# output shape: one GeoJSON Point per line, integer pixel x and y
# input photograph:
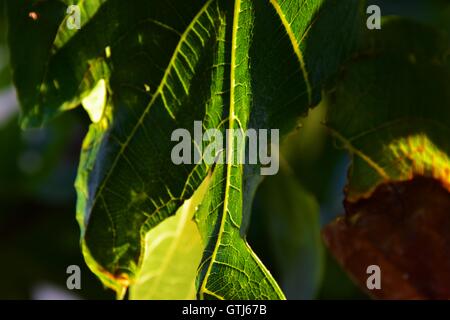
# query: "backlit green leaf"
{"type": "Point", "coordinates": [145, 68]}
{"type": "Point", "coordinates": [173, 252]}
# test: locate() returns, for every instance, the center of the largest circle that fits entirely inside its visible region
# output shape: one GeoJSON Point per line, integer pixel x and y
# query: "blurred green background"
{"type": "Point", "coordinates": [39, 236]}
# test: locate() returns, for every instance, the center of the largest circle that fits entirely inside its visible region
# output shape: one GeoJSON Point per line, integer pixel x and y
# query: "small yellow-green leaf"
{"type": "Point", "coordinates": [173, 251]}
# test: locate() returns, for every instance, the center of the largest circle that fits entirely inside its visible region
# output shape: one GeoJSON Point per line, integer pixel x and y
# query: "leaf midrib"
{"type": "Point", "coordinates": [237, 9]}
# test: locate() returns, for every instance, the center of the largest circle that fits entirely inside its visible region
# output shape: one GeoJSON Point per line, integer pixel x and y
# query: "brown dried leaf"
{"type": "Point", "coordinates": [404, 228]}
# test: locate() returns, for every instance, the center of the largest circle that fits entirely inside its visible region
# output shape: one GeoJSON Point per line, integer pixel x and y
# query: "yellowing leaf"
{"type": "Point", "coordinates": [173, 251]}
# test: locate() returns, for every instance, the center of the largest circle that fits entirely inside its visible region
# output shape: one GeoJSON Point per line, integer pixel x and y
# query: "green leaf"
{"type": "Point", "coordinates": [323, 35]}
{"type": "Point", "coordinates": [137, 180]}
{"type": "Point", "coordinates": [230, 269]}
{"type": "Point", "coordinates": [394, 136]}
{"type": "Point", "coordinates": [145, 68]}
{"type": "Point", "coordinates": [172, 255]}
{"type": "Point", "coordinates": [396, 91]}
{"type": "Point", "coordinates": [221, 221]}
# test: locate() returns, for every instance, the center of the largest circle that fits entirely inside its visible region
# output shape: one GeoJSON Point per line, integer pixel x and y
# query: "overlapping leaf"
{"type": "Point", "coordinates": [172, 254]}
{"type": "Point", "coordinates": [143, 69]}
{"type": "Point", "coordinates": [391, 110]}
